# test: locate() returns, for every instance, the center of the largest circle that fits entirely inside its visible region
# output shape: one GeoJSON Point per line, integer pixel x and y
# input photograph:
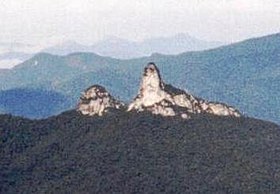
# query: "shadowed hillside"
{"type": "Point", "coordinates": [138, 153]}
{"type": "Point", "coordinates": [32, 103]}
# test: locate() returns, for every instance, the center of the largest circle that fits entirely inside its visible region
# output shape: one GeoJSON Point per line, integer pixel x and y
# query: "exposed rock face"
{"type": "Point", "coordinates": [166, 100]}
{"type": "Point", "coordinates": [154, 96]}
{"type": "Point", "coordinates": [97, 101]}
{"type": "Point", "coordinates": [219, 109]}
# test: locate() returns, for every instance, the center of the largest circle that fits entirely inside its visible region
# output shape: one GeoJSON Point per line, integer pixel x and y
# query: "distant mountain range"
{"type": "Point", "coordinates": [6, 47]}
{"type": "Point", "coordinates": [245, 75]}
{"type": "Point", "coordinates": [124, 49]}
{"type": "Point", "coordinates": [12, 54]}
{"type": "Point", "coordinates": [32, 102]}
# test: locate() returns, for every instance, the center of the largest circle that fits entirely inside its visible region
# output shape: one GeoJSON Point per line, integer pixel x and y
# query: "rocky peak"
{"type": "Point", "coordinates": [159, 98]}
{"type": "Point", "coordinates": [96, 101]}
{"type": "Point", "coordinates": [154, 96]}
{"type": "Point", "coordinates": [151, 88]}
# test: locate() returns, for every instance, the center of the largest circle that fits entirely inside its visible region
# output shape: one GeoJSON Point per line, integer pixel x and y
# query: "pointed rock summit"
{"type": "Point", "coordinates": [154, 96]}
{"type": "Point", "coordinates": [96, 101]}
{"type": "Point", "coordinates": [160, 98]}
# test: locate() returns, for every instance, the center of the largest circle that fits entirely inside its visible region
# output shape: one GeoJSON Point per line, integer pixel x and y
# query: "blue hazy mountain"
{"type": "Point", "coordinates": [177, 44]}
{"type": "Point", "coordinates": [124, 49]}
{"type": "Point", "coordinates": [3, 71]}
{"type": "Point", "coordinates": [15, 55]}
{"type": "Point", "coordinates": [244, 74]}
{"type": "Point", "coordinates": [119, 48]}
{"type": "Point", "coordinates": [66, 48]}
{"type": "Point", "coordinates": [12, 54]}
{"type": "Point", "coordinates": [32, 103]}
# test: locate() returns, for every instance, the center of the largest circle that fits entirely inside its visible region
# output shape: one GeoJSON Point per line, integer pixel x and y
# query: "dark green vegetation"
{"type": "Point", "coordinates": [245, 75]}
{"type": "Point", "coordinates": [138, 153]}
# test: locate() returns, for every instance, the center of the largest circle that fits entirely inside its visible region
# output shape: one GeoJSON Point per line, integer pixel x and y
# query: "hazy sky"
{"type": "Point", "coordinates": [86, 21]}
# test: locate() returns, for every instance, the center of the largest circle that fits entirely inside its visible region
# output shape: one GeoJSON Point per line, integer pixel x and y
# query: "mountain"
{"type": "Point", "coordinates": [11, 59]}
{"type": "Point", "coordinates": [13, 53]}
{"type": "Point", "coordinates": [32, 103]}
{"type": "Point", "coordinates": [9, 63]}
{"type": "Point", "coordinates": [6, 47]}
{"type": "Point", "coordinates": [244, 74]}
{"type": "Point", "coordinates": [66, 48]}
{"type": "Point", "coordinates": [176, 44]}
{"type": "Point", "coordinates": [165, 140]}
{"type": "Point", "coordinates": [166, 100]}
{"type": "Point", "coordinates": [96, 100]}
{"type": "Point", "coordinates": [124, 49]}
{"type": "Point", "coordinates": [119, 48]}
{"type": "Point", "coordinates": [154, 96]}
{"type": "Point", "coordinates": [3, 71]}
{"type": "Point", "coordinates": [129, 152]}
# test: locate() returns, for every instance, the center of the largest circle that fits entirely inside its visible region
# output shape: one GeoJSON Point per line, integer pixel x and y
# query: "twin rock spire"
{"type": "Point", "coordinates": [154, 96]}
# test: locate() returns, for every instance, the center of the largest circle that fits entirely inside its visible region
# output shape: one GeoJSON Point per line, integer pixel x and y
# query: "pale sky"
{"type": "Point", "coordinates": [86, 21]}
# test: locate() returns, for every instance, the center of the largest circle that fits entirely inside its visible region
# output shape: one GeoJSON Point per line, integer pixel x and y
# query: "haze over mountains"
{"type": "Point", "coordinates": [12, 54]}
{"type": "Point", "coordinates": [124, 49]}
{"type": "Point", "coordinates": [164, 141]}
{"type": "Point", "coordinates": [245, 75]}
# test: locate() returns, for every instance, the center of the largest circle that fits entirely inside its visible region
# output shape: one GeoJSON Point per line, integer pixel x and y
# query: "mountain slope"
{"type": "Point", "coordinates": [138, 153]}
{"type": "Point", "coordinates": [32, 103]}
{"type": "Point", "coordinates": [245, 74]}
{"type": "Point", "coordinates": [13, 53]}
{"type": "Point", "coordinates": [66, 48]}
{"type": "Point", "coordinates": [119, 48]}
{"type": "Point", "coordinates": [46, 70]}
